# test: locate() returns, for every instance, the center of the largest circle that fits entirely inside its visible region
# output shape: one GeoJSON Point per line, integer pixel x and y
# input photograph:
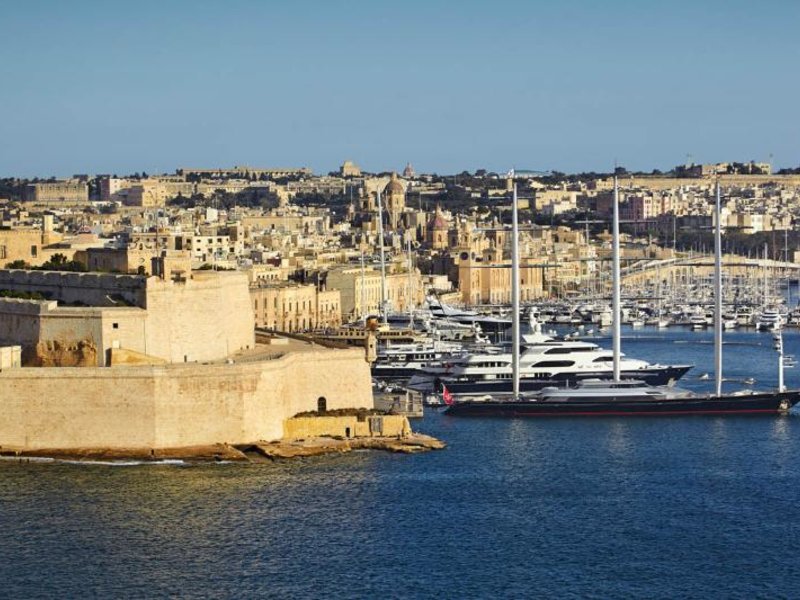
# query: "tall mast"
{"type": "Point", "coordinates": [718, 295]}
{"type": "Point", "coordinates": [515, 337]}
{"type": "Point", "coordinates": [766, 273]}
{"type": "Point", "coordinates": [410, 283]}
{"type": "Point", "coordinates": [363, 311]}
{"type": "Point", "coordinates": [382, 309]}
{"type": "Point", "coordinates": [615, 283]}
{"type": "Point", "coordinates": [779, 346]}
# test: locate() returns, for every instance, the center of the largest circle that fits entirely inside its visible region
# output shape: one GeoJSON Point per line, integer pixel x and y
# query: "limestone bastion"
{"type": "Point", "coordinates": [167, 361]}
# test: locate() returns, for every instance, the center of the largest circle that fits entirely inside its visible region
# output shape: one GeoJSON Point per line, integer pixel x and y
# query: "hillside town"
{"type": "Point", "coordinates": [310, 244]}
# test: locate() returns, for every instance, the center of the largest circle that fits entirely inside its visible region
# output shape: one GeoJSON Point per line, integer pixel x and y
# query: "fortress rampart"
{"type": "Point", "coordinates": [204, 318]}
{"type": "Point", "coordinates": [174, 406]}
{"type": "Point", "coordinates": [85, 289]}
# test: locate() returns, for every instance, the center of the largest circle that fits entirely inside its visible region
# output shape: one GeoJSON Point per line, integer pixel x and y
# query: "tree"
{"type": "Point", "coordinates": [18, 264]}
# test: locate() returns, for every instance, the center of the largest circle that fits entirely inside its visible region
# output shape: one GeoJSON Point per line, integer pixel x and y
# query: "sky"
{"type": "Point", "coordinates": [571, 85]}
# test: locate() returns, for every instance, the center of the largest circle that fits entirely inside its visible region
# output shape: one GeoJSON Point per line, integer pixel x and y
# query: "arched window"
{"type": "Point", "coordinates": [322, 404]}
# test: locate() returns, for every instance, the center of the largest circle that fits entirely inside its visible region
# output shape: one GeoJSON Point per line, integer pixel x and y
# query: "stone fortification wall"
{"type": "Point", "coordinates": [347, 427]}
{"type": "Point", "coordinates": [207, 317]}
{"type": "Point", "coordinates": [51, 335]}
{"type": "Point", "coordinates": [84, 289]}
{"type": "Point", "coordinates": [174, 406]}
{"type": "Point", "coordinates": [204, 318]}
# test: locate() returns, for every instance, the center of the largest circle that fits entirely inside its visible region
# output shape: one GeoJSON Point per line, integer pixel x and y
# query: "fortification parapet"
{"type": "Point", "coordinates": [95, 289]}
{"type": "Point", "coordinates": [24, 306]}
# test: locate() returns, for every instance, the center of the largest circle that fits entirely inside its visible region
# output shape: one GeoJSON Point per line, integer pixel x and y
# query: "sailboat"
{"type": "Point", "coordinates": [629, 397]}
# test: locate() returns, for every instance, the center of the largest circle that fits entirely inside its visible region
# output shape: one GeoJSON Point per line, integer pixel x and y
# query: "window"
{"type": "Point", "coordinates": [115, 325]}
{"type": "Point", "coordinates": [554, 363]}
{"type": "Point", "coordinates": [568, 350]}
{"type": "Point", "coordinates": [34, 251]}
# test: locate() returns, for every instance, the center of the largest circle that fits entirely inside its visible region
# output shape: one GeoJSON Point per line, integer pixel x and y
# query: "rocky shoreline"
{"type": "Point", "coordinates": [257, 452]}
{"type": "Point", "coordinates": [285, 449]}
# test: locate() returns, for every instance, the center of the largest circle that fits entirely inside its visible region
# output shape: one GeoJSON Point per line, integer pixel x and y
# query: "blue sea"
{"type": "Point", "coordinates": [658, 507]}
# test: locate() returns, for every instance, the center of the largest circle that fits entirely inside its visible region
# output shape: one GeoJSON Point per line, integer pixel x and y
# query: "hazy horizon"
{"type": "Point", "coordinates": [92, 88]}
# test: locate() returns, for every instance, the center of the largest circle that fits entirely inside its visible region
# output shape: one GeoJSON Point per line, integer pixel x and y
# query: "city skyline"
{"type": "Point", "coordinates": [570, 88]}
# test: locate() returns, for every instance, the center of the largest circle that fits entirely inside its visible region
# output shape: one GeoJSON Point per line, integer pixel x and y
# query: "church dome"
{"type": "Point", "coordinates": [438, 221]}
{"type": "Point", "coordinates": [394, 186]}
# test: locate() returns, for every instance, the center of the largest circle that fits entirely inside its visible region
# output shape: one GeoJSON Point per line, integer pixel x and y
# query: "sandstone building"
{"type": "Point", "coordinates": [284, 306]}
{"type": "Point", "coordinates": [361, 293]}
{"type": "Point", "coordinates": [57, 192]}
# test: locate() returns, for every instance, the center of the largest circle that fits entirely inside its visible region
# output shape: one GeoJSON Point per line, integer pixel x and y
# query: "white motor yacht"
{"type": "Point", "coordinates": [769, 320]}
{"type": "Point", "coordinates": [543, 361]}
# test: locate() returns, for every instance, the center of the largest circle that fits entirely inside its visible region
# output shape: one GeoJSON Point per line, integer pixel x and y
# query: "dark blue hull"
{"type": "Point", "coordinates": [759, 403]}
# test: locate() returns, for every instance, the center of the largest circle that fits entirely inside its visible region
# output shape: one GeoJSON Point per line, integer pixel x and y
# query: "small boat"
{"type": "Point", "coordinates": [769, 320]}
{"type": "Point", "coordinates": [698, 321]}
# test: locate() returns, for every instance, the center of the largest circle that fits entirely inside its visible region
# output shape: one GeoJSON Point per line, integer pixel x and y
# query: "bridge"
{"type": "Point", "coordinates": [702, 266]}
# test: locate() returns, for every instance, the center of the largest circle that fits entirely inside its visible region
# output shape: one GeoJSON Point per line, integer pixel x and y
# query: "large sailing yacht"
{"type": "Point", "coordinates": [620, 396]}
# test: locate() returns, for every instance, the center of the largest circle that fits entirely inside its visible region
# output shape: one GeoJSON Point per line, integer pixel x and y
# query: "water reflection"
{"type": "Point", "coordinates": [718, 435]}
{"type": "Point", "coordinates": [618, 439]}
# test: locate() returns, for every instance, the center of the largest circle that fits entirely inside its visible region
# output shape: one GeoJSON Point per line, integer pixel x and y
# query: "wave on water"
{"type": "Point", "coordinates": [711, 343]}
{"type": "Point", "coordinates": [102, 463]}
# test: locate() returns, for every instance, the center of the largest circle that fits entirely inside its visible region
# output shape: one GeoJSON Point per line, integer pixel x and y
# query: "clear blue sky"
{"type": "Point", "coordinates": [101, 87]}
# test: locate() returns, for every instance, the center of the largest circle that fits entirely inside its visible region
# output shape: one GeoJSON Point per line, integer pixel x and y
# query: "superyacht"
{"type": "Point", "coordinates": [544, 361]}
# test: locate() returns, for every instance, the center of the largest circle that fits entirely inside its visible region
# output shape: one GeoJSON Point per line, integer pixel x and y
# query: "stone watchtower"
{"type": "Point", "coordinates": [395, 195]}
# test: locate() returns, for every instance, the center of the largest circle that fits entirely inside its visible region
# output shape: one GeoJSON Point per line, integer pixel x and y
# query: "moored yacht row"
{"type": "Point", "coordinates": [621, 396]}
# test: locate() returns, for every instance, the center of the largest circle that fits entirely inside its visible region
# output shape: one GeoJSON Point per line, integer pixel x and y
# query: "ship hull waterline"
{"type": "Point", "coordinates": [750, 404]}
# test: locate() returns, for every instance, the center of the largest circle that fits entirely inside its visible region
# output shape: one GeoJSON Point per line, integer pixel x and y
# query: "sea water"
{"type": "Point", "coordinates": [607, 507]}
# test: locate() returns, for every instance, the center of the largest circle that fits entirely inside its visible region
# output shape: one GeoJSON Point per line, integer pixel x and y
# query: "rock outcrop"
{"type": "Point", "coordinates": [283, 449]}
{"type": "Point", "coordinates": [55, 353]}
